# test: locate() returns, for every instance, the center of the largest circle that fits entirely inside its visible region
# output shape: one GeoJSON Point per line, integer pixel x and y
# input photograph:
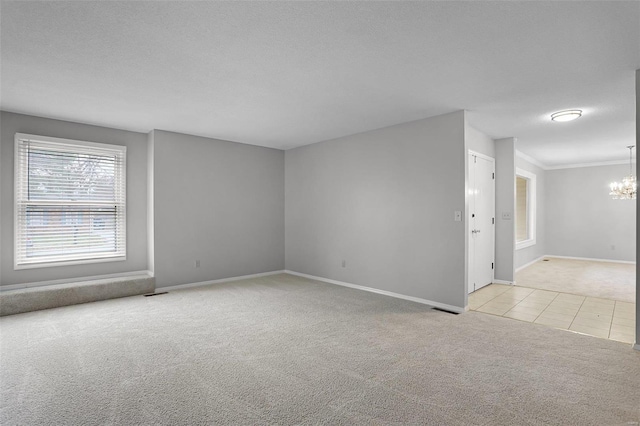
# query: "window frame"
{"type": "Point", "coordinates": [21, 173]}
{"type": "Point", "coordinates": [531, 208]}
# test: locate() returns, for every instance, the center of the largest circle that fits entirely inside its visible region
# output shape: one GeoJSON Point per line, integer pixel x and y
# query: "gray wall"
{"type": "Point", "coordinates": [505, 203]}
{"type": "Point", "coordinates": [217, 201]}
{"type": "Point", "coordinates": [382, 201]}
{"type": "Point", "coordinates": [479, 142]}
{"type": "Point", "coordinates": [136, 144]}
{"type": "Point", "coordinates": [637, 344]}
{"type": "Point", "coordinates": [151, 230]}
{"type": "Point", "coordinates": [528, 254]}
{"type": "Point", "coordinates": [583, 220]}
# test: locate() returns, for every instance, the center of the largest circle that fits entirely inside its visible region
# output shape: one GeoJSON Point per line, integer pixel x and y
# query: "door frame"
{"type": "Point", "coordinates": [471, 152]}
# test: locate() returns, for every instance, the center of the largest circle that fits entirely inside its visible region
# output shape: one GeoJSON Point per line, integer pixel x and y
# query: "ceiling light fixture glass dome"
{"type": "Point", "coordinates": [566, 115]}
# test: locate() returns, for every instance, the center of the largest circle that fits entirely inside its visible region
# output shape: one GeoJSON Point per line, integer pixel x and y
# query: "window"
{"type": "Point", "coordinates": [69, 202]}
{"type": "Point", "coordinates": [525, 209]}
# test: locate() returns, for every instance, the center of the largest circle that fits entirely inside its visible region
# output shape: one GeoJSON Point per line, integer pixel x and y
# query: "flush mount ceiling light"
{"type": "Point", "coordinates": [567, 115]}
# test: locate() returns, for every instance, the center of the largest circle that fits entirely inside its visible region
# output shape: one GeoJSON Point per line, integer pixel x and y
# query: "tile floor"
{"type": "Point", "coordinates": [595, 316]}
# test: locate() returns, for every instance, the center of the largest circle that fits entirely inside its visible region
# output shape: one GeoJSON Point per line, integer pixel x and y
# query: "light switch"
{"type": "Point", "coordinates": [506, 215]}
{"type": "Point", "coordinates": [457, 216]}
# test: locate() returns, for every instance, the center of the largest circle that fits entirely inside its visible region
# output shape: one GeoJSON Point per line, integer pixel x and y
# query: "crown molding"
{"type": "Point", "coordinates": [599, 163]}
{"type": "Point", "coordinates": [570, 166]}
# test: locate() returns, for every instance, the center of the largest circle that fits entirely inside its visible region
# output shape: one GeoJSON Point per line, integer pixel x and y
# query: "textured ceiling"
{"type": "Point", "coordinates": [293, 73]}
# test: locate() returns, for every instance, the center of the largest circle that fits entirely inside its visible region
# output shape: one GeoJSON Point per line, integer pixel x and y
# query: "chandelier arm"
{"type": "Point", "coordinates": [627, 189]}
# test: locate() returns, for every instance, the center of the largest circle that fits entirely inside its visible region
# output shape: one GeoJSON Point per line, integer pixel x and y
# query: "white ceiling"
{"type": "Point", "coordinates": [289, 74]}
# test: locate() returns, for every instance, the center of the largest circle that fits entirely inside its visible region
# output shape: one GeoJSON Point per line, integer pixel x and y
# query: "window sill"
{"type": "Point", "coordinates": [525, 244]}
{"type": "Point", "coordinates": [68, 262]}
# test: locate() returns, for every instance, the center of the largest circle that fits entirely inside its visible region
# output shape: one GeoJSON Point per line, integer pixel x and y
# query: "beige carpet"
{"type": "Point", "coordinates": [285, 350]}
{"type": "Point", "coordinates": [608, 280]}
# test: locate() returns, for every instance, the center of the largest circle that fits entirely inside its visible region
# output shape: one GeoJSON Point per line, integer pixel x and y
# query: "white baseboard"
{"type": "Point", "coordinates": [74, 280]}
{"type": "Point", "coordinates": [222, 280]}
{"type": "Point", "coordinates": [630, 262]}
{"type": "Point", "coordinates": [444, 306]}
{"type": "Point", "coordinates": [503, 282]}
{"type": "Point", "coordinates": [530, 263]}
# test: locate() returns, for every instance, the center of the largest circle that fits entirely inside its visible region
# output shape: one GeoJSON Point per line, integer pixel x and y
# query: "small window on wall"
{"type": "Point", "coordinates": [70, 202]}
{"type": "Point", "coordinates": [525, 209]}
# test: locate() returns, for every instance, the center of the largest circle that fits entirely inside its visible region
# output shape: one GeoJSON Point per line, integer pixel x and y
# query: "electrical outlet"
{"type": "Point", "coordinates": [506, 215]}
{"type": "Point", "coordinates": [613, 247]}
{"type": "Point", "coordinates": [344, 263]}
{"type": "Point", "coordinates": [457, 216]}
{"type": "Point", "coordinates": [196, 263]}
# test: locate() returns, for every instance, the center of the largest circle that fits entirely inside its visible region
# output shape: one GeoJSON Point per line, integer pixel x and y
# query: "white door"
{"type": "Point", "coordinates": [481, 220]}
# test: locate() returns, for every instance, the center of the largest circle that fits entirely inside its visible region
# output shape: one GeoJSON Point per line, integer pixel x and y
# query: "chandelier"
{"type": "Point", "coordinates": [625, 190]}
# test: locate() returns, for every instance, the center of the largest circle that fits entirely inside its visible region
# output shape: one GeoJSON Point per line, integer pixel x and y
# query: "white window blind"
{"type": "Point", "coordinates": [69, 201]}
